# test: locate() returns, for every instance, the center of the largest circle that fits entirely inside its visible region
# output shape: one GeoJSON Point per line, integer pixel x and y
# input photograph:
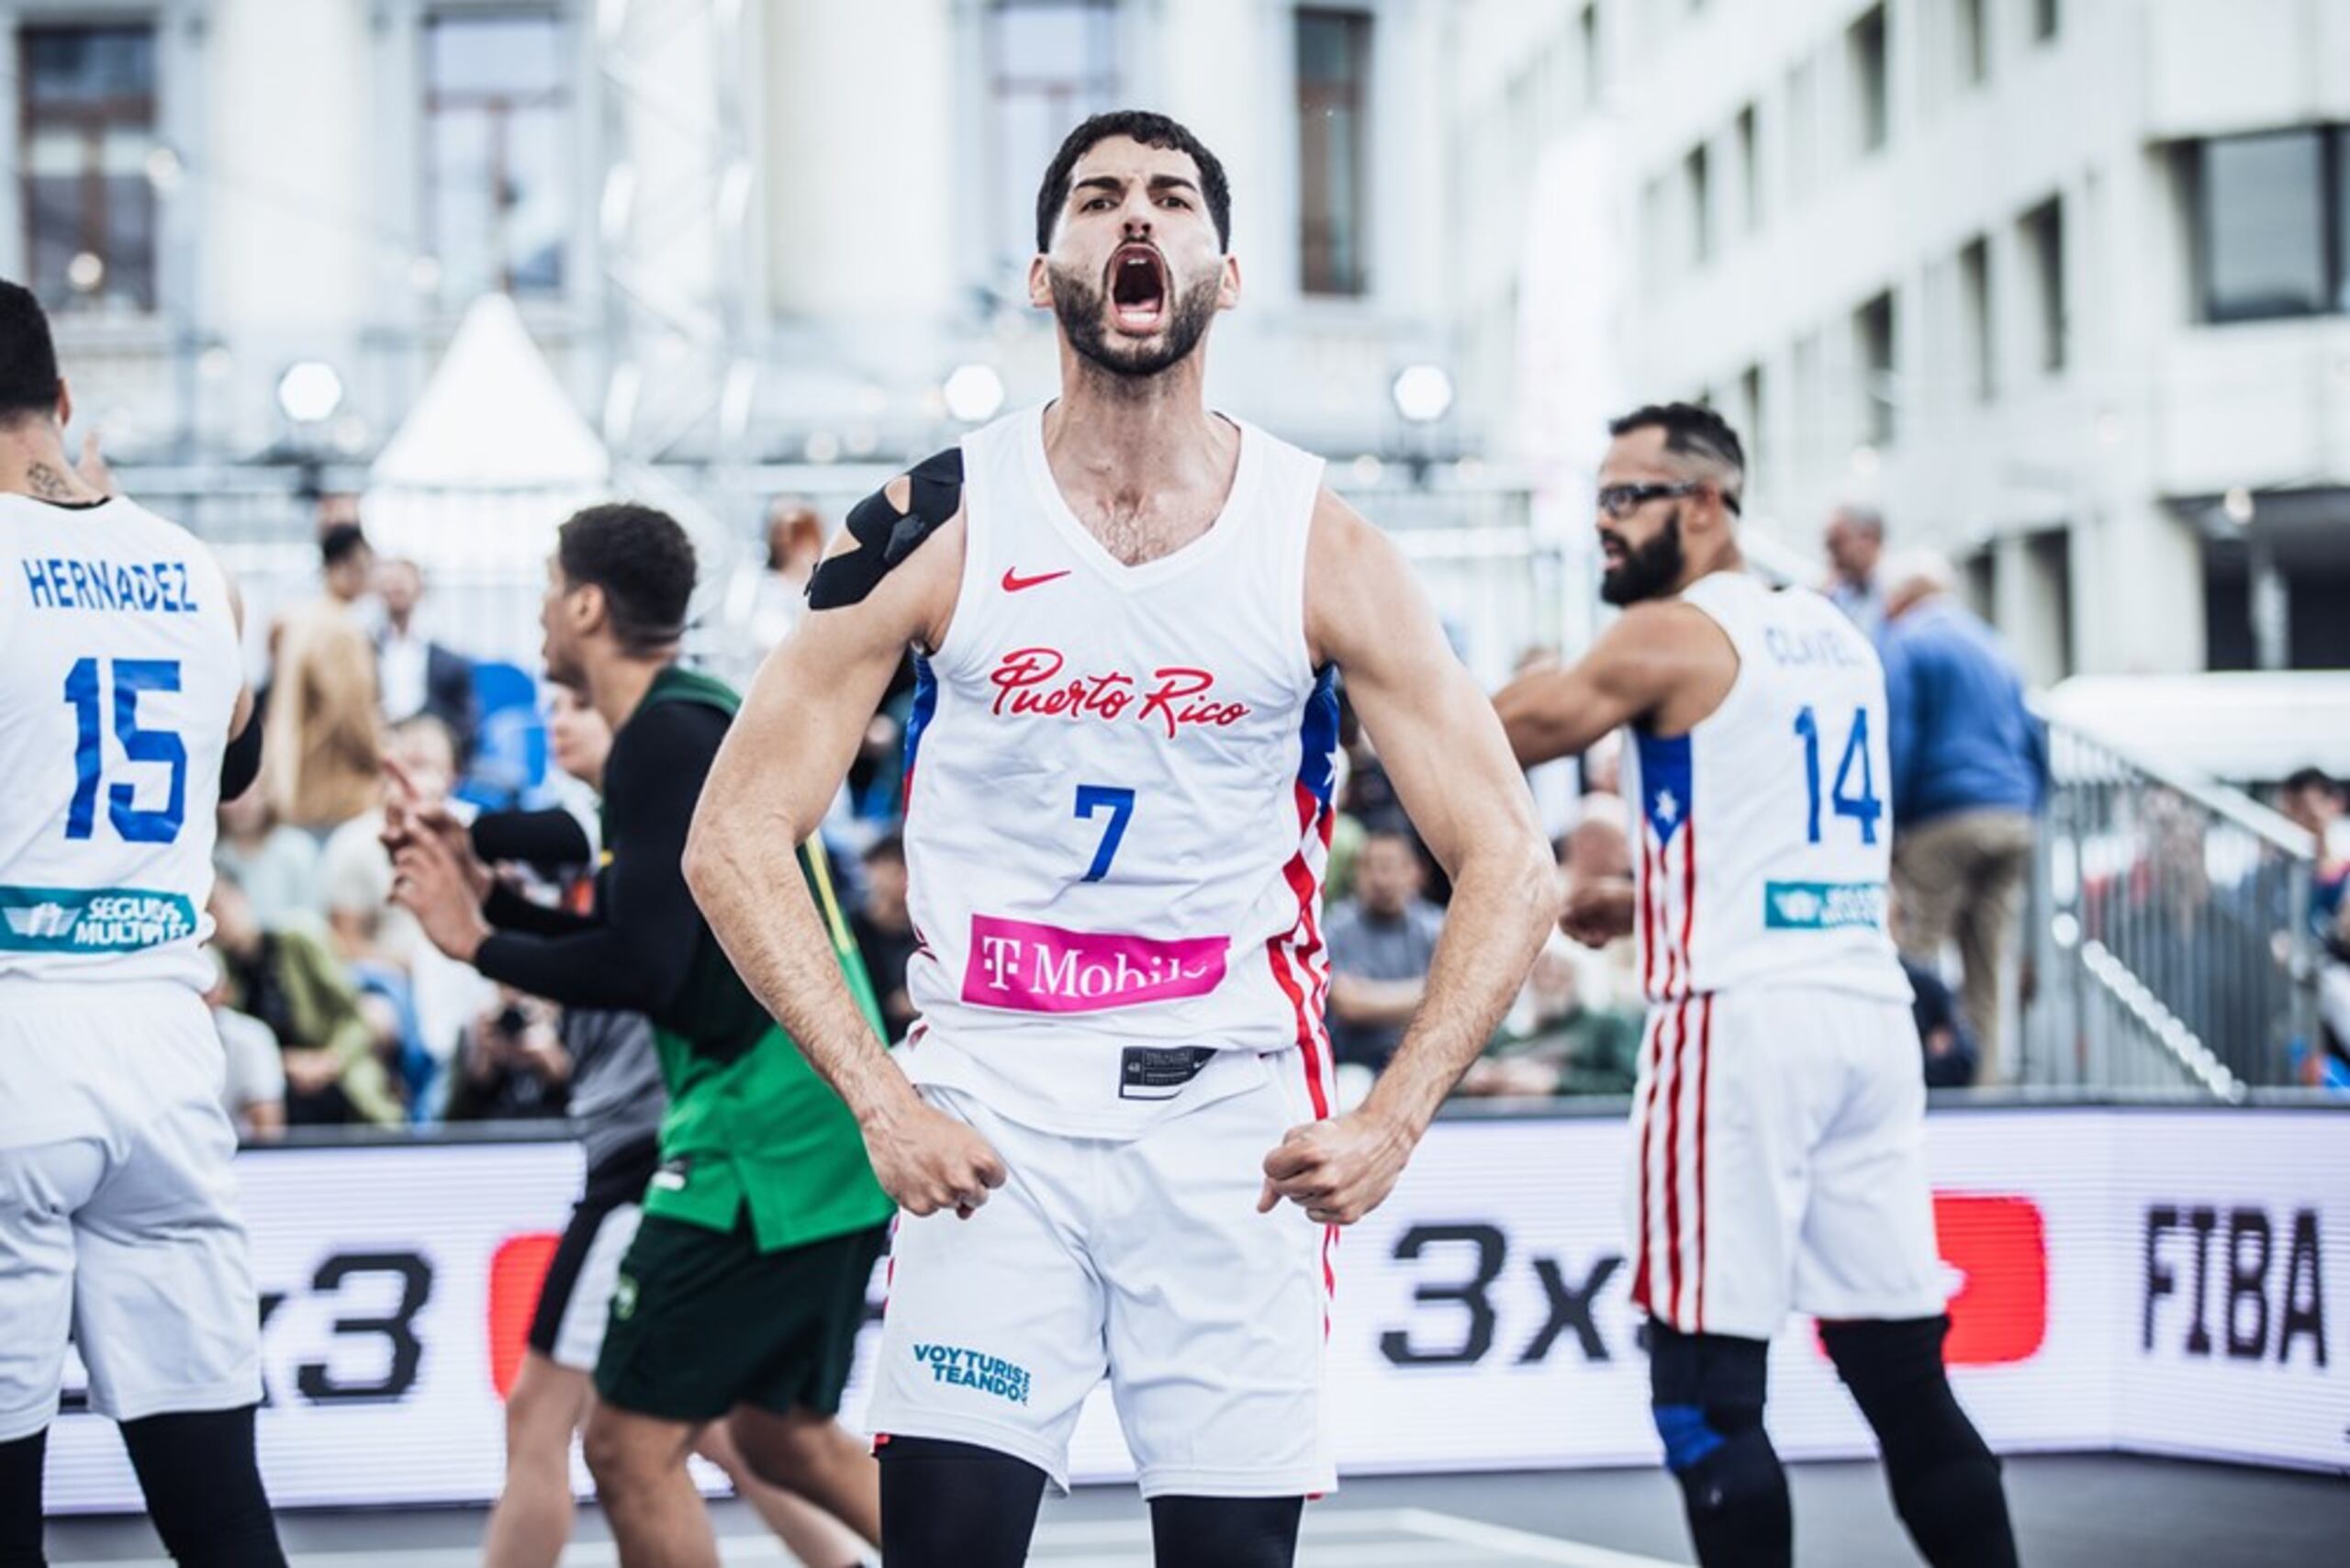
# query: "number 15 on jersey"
{"type": "Point", "coordinates": [85, 691]}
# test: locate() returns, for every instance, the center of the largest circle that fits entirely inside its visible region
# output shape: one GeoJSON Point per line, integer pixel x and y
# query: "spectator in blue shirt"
{"type": "Point", "coordinates": [1969, 761]}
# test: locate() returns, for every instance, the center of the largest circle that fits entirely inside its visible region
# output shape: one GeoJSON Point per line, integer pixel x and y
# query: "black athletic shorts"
{"type": "Point", "coordinates": [568, 1327]}
{"type": "Point", "coordinates": [703, 1321]}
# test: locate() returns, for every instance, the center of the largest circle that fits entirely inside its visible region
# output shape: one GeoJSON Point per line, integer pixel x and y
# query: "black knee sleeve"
{"type": "Point", "coordinates": [955, 1504]}
{"type": "Point", "coordinates": [1706, 1391]}
{"type": "Point", "coordinates": [20, 1465]}
{"type": "Point", "coordinates": [1224, 1532]}
{"type": "Point", "coordinates": [203, 1485]}
{"type": "Point", "coordinates": [1944, 1479]}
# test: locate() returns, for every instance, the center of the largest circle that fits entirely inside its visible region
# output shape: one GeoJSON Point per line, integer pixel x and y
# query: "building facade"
{"type": "Point", "coordinates": [2061, 285]}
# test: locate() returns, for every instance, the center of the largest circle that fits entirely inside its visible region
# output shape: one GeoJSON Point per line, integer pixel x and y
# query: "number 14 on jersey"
{"type": "Point", "coordinates": [1864, 807]}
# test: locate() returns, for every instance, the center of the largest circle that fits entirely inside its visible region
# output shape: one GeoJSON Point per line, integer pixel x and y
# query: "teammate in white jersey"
{"type": "Point", "coordinates": [1779, 1117]}
{"type": "Point", "coordinates": [1127, 608]}
{"type": "Point", "coordinates": [120, 688]}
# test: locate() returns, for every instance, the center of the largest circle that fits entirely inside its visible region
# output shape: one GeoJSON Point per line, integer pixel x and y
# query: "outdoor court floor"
{"type": "Point", "coordinates": [2075, 1511]}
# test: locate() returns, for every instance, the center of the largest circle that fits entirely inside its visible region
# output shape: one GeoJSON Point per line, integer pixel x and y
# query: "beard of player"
{"type": "Point", "coordinates": [1078, 304]}
{"type": "Point", "coordinates": [1648, 570]}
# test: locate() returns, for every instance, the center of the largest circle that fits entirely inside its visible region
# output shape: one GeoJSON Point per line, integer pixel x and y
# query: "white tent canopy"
{"type": "Point", "coordinates": [493, 416]}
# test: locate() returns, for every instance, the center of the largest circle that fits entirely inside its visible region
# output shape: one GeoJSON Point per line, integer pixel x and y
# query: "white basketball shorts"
{"type": "Point", "coordinates": [116, 1206]}
{"type": "Point", "coordinates": [1145, 1261]}
{"type": "Point", "coordinates": [1779, 1161]}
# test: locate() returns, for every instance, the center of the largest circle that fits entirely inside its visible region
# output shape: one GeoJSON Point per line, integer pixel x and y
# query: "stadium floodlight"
{"type": "Point", "coordinates": [309, 391]}
{"type": "Point", "coordinates": [2238, 506]}
{"type": "Point", "coordinates": [973, 393]}
{"type": "Point", "coordinates": [1423, 393]}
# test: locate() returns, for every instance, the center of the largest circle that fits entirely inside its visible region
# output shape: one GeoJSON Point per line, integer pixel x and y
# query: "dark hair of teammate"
{"type": "Point", "coordinates": [644, 563]}
{"type": "Point", "coordinates": [341, 543]}
{"type": "Point", "coordinates": [29, 375]}
{"type": "Point", "coordinates": [1694, 429]}
{"type": "Point", "coordinates": [1151, 130]}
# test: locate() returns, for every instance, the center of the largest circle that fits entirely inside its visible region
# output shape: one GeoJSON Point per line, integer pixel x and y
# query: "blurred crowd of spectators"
{"type": "Point", "coordinates": [335, 1009]}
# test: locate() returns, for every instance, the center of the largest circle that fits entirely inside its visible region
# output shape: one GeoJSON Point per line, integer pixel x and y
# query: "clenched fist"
{"type": "Point", "coordinates": [927, 1160]}
{"type": "Point", "coordinates": [1338, 1171]}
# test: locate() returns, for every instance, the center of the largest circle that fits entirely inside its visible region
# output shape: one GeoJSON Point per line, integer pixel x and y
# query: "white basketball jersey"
{"type": "Point", "coordinates": [1763, 837]}
{"type": "Point", "coordinates": [1118, 803]}
{"type": "Point", "coordinates": [118, 676]}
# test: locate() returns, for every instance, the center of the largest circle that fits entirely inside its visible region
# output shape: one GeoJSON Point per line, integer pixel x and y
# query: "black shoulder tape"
{"type": "Point", "coordinates": [885, 535]}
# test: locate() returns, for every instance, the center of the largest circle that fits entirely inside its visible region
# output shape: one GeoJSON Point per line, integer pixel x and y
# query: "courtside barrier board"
{"type": "Point", "coordinates": [2158, 1281]}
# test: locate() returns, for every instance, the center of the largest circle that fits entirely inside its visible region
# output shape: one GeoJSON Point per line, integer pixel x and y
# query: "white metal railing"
{"type": "Point", "coordinates": [2168, 942]}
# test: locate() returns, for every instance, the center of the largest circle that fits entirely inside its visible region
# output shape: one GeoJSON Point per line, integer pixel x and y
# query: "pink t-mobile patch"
{"type": "Point", "coordinates": [1029, 967]}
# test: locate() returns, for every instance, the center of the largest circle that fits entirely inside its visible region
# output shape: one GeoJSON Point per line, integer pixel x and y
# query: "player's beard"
{"type": "Point", "coordinates": [1079, 304]}
{"type": "Point", "coordinates": [1647, 571]}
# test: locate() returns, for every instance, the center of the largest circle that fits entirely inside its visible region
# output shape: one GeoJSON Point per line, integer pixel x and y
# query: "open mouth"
{"type": "Point", "coordinates": [1138, 288]}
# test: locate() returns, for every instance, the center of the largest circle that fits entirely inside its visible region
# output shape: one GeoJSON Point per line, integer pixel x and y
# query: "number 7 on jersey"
{"type": "Point", "coordinates": [1092, 800]}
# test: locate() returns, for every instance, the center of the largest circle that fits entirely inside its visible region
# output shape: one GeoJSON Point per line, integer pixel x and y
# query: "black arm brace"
{"type": "Point", "coordinates": [885, 536]}
{"type": "Point", "coordinates": [241, 764]}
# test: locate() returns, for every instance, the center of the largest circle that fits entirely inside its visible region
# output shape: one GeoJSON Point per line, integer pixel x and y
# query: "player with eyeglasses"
{"type": "Point", "coordinates": [1779, 1115]}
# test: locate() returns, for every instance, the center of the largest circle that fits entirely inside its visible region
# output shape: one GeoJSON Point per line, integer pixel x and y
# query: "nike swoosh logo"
{"type": "Point", "coordinates": [1013, 582]}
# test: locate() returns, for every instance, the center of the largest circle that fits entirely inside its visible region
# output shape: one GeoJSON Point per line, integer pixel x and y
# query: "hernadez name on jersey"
{"type": "Point", "coordinates": [1118, 803]}
{"type": "Point", "coordinates": [118, 675]}
{"type": "Point", "coordinates": [1762, 839]}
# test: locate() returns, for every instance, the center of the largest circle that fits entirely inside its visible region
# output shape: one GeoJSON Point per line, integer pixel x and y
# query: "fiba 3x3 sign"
{"type": "Point", "coordinates": [2156, 1280]}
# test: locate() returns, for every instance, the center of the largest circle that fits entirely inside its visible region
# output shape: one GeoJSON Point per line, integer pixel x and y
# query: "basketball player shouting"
{"type": "Point", "coordinates": [1779, 1117]}
{"type": "Point", "coordinates": [120, 689]}
{"type": "Point", "coordinates": [1127, 611]}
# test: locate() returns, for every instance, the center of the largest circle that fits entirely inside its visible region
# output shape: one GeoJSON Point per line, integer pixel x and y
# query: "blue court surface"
{"type": "Point", "coordinates": [2071, 1512]}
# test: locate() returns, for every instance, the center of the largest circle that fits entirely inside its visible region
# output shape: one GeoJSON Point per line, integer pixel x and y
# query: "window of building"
{"type": "Point", "coordinates": [1050, 65]}
{"type": "Point", "coordinates": [496, 162]}
{"type": "Point", "coordinates": [1803, 130]}
{"type": "Point", "coordinates": [87, 104]}
{"type": "Point", "coordinates": [1749, 418]}
{"type": "Point", "coordinates": [1873, 329]}
{"type": "Point", "coordinates": [1749, 173]}
{"type": "Point", "coordinates": [1698, 182]}
{"type": "Point", "coordinates": [1872, 90]}
{"type": "Point", "coordinates": [2261, 224]}
{"type": "Point", "coordinates": [2044, 19]}
{"type": "Point", "coordinates": [2042, 232]}
{"type": "Point", "coordinates": [1333, 138]}
{"type": "Point", "coordinates": [1595, 69]}
{"type": "Point", "coordinates": [1975, 320]}
{"type": "Point", "coordinates": [1973, 40]}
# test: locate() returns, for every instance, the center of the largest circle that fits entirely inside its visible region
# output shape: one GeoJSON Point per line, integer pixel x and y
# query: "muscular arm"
{"type": "Point", "coordinates": [1637, 665]}
{"type": "Point", "coordinates": [1454, 775]}
{"type": "Point", "coordinates": [1453, 771]}
{"type": "Point", "coordinates": [635, 955]}
{"type": "Point", "coordinates": [782, 763]}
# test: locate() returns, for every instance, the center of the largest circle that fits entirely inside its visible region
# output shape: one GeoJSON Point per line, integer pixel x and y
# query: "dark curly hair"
{"type": "Point", "coordinates": [29, 375]}
{"type": "Point", "coordinates": [1151, 130]}
{"type": "Point", "coordinates": [642, 561]}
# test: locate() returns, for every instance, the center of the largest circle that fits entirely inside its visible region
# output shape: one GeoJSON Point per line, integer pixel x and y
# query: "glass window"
{"type": "Point", "coordinates": [1975, 319]}
{"type": "Point", "coordinates": [1697, 178]}
{"type": "Point", "coordinates": [1749, 173]}
{"type": "Point", "coordinates": [2341, 199]}
{"type": "Point", "coordinates": [1871, 104]}
{"type": "Point", "coordinates": [2043, 249]}
{"type": "Point", "coordinates": [1051, 64]}
{"type": "Point", "coordinates": [496, 171]}
{"type": "Point", "coordinates": [2260, 226]}
{"type": "Point", "coordinates": [1873, 328]}
{"type": "Point", "coordinates": [87, 101]}
{"type": "Point", "coordinates": [1973, 44]}
{"type": "Point", "coordinates": [1333, 103]}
